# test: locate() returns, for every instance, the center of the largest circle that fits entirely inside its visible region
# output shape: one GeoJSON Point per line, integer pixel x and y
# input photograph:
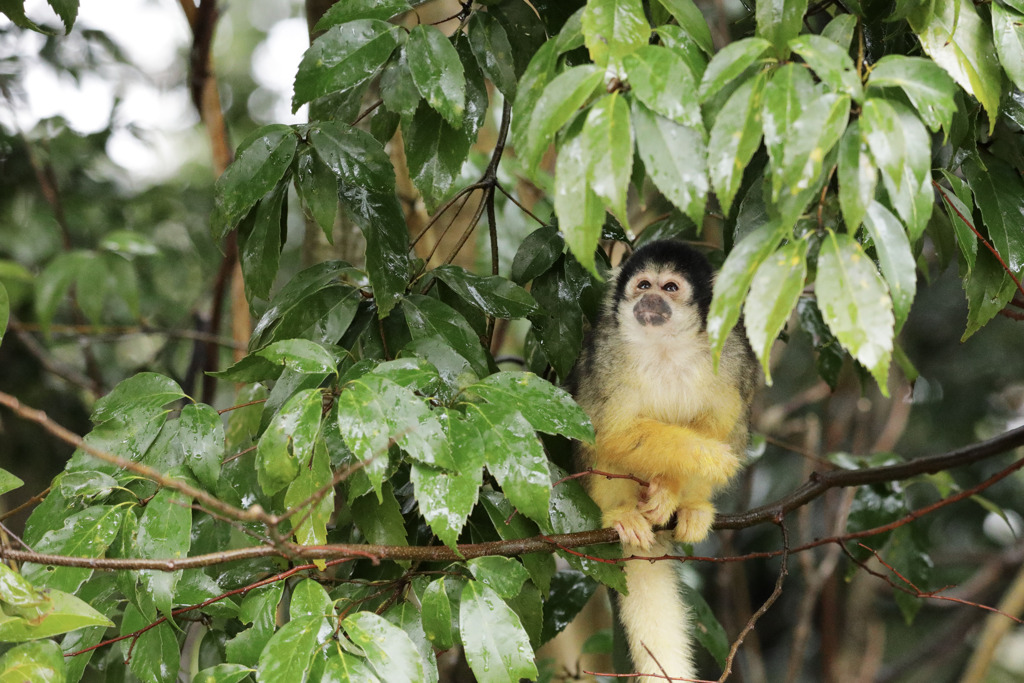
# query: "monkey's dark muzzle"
{"type": "Point", "coordinates": [652, 310]}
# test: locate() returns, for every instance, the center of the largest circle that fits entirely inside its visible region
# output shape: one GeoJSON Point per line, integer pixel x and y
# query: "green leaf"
{"type": "Point", "coordinates": [537, 253]}
{"type": "Point", "coordinates": [779, 21]}
{"type": "Point", "coordinates": [614, 28]}
{"type": "Point", "coordinates": [313, 477]}
{"type": "Point", "coordinates": [731, 61]}
{"type": "Point", "coordinates": [31, 614]}
{"type": "Point", "coordinates": [494, 295]}
{"type": "Point", "coordinates": [201, 438]}
{"type": "Point", "coordinates": [223, 673]}
{"type": "Point", "coordinates": [735, 136]}
{"type": "Point", "coordinates": [683, 44]}
{"type": "Point", "coordinates": [367, 191]}
{"type": "Point", "coordinates": [164, 533]}
{"type": "Point", "coordinates": [397, 88]}
{"type": "Point", "coordinates": [380, 521]}
{"type": "Point", "coordinates": [539, 72]}
{"type": "Point", "coordinates": [928, 87]}
{"type": "Point", "coordinates": [497, 647]}
{"type": "Point", "coordinates": [660, 79]}
{"type": "Point", "coordinates": [40, 661]}
{"type": "Point", "coordinates": [414, 373]}
{"type": "Point", "coordinates": [999, 193]}
{"type": "Point", "coordinates": [840, 30]}
{"type": "Point", "coordinates": [734, 279]}
{"type": "Point", "coordinates": [960, 206]}
{"type": "Point", "coordinates": [1008, 35]}
{"type": "Point", "coordinates": [559, 327]}
{"type": "Point", "coordinates": [346, 668]}
{"type": "Point", "coordinates": [880, 126]}
{"type": "Point", "coordinates": [288, 656]}
{"type": "Point", "coordinates": [260, 163]}
{"type": "Point", "coordinates": [351, 10]}
{"type": "Point", "coordinates": [511, 526]}
{"type": "Point", "coordinates": [288, 442]}
{"type": "Point", "coordinates": [5, 310]}
{"type": "Point", "coordinates": [785, 95]}
{"type": "Point", "coordinates": [855, 304]}
{"type": "Point", "coordinates": [406, 616]}
{"type": "Point", "coordinates": [958, 40]}
{"type": "Point", "coordinates": [343, 57]}
{"type": "Point", "coordinates": [830, 62]}
{"type": "Point", "coordinates": [84, 534]}
{"type": "Point", "coordinates": [8, 482]}
{"type": "Point", "coordinates": [437, 615]}
{"type": "Point", "coordinates": [988, 288]}
{"type": "Point", "coordinates": [579, 210]}
{"type": "Point", "coordinates": [547, 408]}
{"type": "Point", "coordinates": [857, 176]}
{"type": "Point", "coordinates": [138, 397]}
{"type": "Point", "coordinates": [515, 457]}
{"type": "Point", "coordinates": [504, 575]}
{"type": "Point", "coordinates": [259, 608]}
{"type": "Point", "coordinates": [318, 188]}
{"type": "Point", "coordinates": [708, 630]}
{"type": "Point", "coordinates": [774, 292]}
{"type": "Point", "coordinates": [429, 317]}
{"type": "Point", "coordinates": [389, 649]}
{"type": "Point", "coordinates": [301, 356]}
{"type": "Point", "coordinates": [559, 102]}
{"type": "Point", "coordinates": [607, 149]}
{"type": "Point", "coordinates": [435, 153]}
{"type": "Point", "coordinates": [691, 21]}
{"type": "Point", "coordinates": [67, 10]}
{"type": "Point", "coordinates": [493, 52]}
{"type": "Point", "coordinates": [437, 72]}
{"type": "Point", "coordinates": [260, 237]}
{"type": "Point", "coordinates": [446, 498]}
{"type": "Point", "coordinates": [571, 591]}
{"type": "Point", "coordinates": [895, 259]}
{"type": "Point", "coordinates": [810, 138]}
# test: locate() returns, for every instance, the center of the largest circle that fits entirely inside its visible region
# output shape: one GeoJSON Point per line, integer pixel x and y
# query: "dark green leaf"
{"type": "Point", "coordinates": [675, 157]}
{"type": "Point", "coordinates": [928, 87]}
{"type": "Point", "coordinates": [380, 521]}
{"type": "Point", "coordinates": [137, 397]}
{"type": "Point", "coordinates": [537, 253]}
{"type": "Point", "coordinates": [493, 52]}
{"type": "Point", "coordinates": [287, 444]}
{"type": "Point", "coordinates": [259, 608]}
{"type": "Point", "coordinates": [261, 241]}
{"type": "Point", "coordinates": [497, 647]}
{"type": "Point", "coordinates": [429, 317]}
{"type": "Point", "coordinates": [504, 575]}
{"type": "Point", "coordinates": [389, 649]}
{"type": "Point", "coordinates": [437, 72]}
{"type": "Point", "coordinates": [350, 10]}
{"type": "Point", "coordinates": [437, 615]}
{"type": "Point", "coordinates": [774, 291]}
{"type": "Point", "coordinates": [999, 192]}
{"type": "Point", "coordinates": [894, 258]}
{"type": "Point", "coordinates": [260, 163]}
{"type": "Point", "coordinates": [571, 590]}
{"type": "Point", "coordinates": [397, 88]}
{"type": "Point", "coordinates": [495, 295]}
{"type": "Point", "coordinates": [959, 206]}
{"type": "Point", "coordinates": [855, 304]}
{"type": "Point", "coordinates": [830, 356]}
{"type": "Point", "coordinates": [735, 136]}
{"type": "Point", "coordinates": [367, 181]}
{"type": "Point", "coordinates": [961, 43]}
{"type": "Point", "coordinates": [344, 57]}
{"type": "Point", "coordinates": [730, 62]}
{"type": "Point", "coordinates": [559, 328]}
{"type": "Point", "coordinates": [612, 29]}
{"type": "Point", "coordinates": [5, 310]}
{"type": "Point", "coordinates": [435, 153]}
{"type": "Point", "coordinates": [318, 188]}
{"type": "Point", "coordinates": [708, 630]}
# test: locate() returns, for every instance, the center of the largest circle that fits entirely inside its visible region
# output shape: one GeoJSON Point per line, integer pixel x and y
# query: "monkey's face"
{"type": "Point", "coordinates": [660, 298]}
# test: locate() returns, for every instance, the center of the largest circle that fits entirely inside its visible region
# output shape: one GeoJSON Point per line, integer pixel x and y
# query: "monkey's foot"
{"type": "Point", "coordinates": [657, 502]}
{"type": "Point", "coordinates": [634, 529]}
{"type": "Point", "coordinates": [694, 523]}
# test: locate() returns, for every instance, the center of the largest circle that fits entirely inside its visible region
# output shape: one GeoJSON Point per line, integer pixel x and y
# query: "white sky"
{"type": "Point", "coordinates": [153, 105]}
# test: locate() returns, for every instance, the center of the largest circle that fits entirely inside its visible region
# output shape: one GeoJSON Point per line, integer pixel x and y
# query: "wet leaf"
{"type": "Point", "coordinates": [493, 52]}
{"type": "Point", "coordinates": [614, 28]}
{"type": "Point", "coordinates": [260, 163]}
{"type": "Point", "coordinates": [351, 10]}
{"type": "Point", "coordinates": [774, 292]}
{"type": "Point", "coordinates": [287, 444]}
{"type": "Point", "coordinates": [546, 407]}
{"type": "Point", "coordinates": [675, 158]}
{"type": "Point", "coordinates": [288, 655]}
{"type": "Point", "coordinates": [201, 438]}
{"type": "Point", "coordinates": [83, 534]}
{"type": "Point", "coordinates": [437, 72]}
{"type": "Point", "coordinates": [928, 87]}
{"type": "Point", "coordinates": [895, 259]}
{"type": "Point", "coordinates": [497, 647]}
{"type": "Point", "coordinates": [389, 649]}
{"type": "Point", "coordinates": [735, 136]}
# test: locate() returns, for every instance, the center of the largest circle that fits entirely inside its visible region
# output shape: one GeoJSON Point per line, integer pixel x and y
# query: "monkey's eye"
{"type": "Point", "coordinates": [670, 287]}
{"type": "Point", "coordinates": [643, 284]}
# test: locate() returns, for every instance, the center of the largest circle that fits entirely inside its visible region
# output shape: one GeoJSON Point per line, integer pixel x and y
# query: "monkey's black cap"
{"type": "Point", "coordinates": [676, 256]}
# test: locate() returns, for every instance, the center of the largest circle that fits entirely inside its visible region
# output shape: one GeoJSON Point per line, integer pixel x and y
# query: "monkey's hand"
{"type": "Point", "coordinates": [633, 528]}
{"type": "Point", "coordinates": [693, 522]}
{"type": "Point", "coordinates": [657, 502]}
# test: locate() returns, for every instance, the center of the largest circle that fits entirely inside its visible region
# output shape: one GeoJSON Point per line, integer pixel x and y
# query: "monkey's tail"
{"type": "Point", "coordinates": [655, 618]}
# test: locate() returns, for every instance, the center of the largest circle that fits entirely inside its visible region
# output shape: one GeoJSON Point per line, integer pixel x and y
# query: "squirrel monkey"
{"type": "Point", "coordinates": [663, 415]}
